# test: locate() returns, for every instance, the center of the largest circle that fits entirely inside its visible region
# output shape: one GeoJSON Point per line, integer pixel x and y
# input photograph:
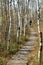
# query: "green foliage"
{"type": "Point", "coordinates": [22, 40]}
{"type": "Point", "coordinates": [3, 61]}
{"type": "Point", "coordinates": [27, 34]}
{"type": "Point", "coordinates": [3, 47]}
{"type": "Point", "coordinates": [5, 21]}
{"type": "Point", "coordinates": [13, 48]}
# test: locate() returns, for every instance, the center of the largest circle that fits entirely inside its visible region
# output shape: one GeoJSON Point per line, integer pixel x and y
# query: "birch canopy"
{"type": "Point", "coordinates": [15, 17]}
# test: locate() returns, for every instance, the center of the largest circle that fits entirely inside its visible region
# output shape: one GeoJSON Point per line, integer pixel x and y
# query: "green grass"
{"type": "Point", "coordinates": [33, 60]}
{"type": "Point", "coordinates": [14, 47]}
{"type": "Point", "coordinates": [3, 61]}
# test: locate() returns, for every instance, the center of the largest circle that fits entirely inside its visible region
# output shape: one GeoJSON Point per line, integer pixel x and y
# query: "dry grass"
{"type": "Point", "coordinates": [14, 47]}
{"type": "Point", "coordinates": [34, 55]}
{"type": "Point", "coordinates": [36, 63]}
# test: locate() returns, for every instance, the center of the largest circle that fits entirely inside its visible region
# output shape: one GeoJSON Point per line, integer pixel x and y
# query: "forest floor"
{"type": "Point", "coordinates": [21, 57]}
{"type": "Point", "coordinates": [34, 56]}
{"type": "Point", "coordinates": [5, 54]}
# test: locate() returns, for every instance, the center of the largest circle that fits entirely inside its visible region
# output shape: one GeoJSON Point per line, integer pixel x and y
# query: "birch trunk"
{"type": "Point", "coordinates": [25, 21]}
{"type": "Point", "coordinates": [1, 39]}
{"type": "Point", "coordinates": [19, 22]}
{"type": "Point", "coordinates": [0, 23]}
{"type": "Point", "coordinates": [39, 30]}
{"type": "Point", "coordinates": [10, 15]}
{"type": "Point", "coordinates": [6, 20]}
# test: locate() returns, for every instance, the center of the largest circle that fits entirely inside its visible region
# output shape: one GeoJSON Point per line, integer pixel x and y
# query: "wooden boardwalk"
{"type": "Point", "coordinates": [22, 56]}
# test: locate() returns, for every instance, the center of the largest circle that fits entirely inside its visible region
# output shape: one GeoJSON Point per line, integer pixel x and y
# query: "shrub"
{"type": "Point", "coordinates": [3, 61]}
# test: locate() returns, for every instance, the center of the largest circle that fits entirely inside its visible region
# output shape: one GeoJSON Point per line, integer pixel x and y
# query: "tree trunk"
{"type": "Point", "coordinates": [10, 15]}
{"type": "Point", "coordinates": [40, 33]}
{"type": "Point", "coordinates": [19, 22]}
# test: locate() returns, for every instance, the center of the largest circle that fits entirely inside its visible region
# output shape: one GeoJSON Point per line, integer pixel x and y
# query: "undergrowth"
{"type": "Point", "coordinates": [5, 55]}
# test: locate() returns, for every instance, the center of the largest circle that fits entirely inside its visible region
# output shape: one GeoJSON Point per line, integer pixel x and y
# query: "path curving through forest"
{"type": "Point", "coordinates": [22, 56]}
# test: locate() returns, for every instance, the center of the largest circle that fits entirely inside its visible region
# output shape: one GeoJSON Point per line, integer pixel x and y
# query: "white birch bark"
{"type": "Point", "coordinates": [14, 16]}
{"type": "Point", "coordinates": [0, 22]}
{"type": "Point", "coordinates": [25, 21]}
{"type": "Point", "coordinates": [19, 22]}
{"type": "Point", "coordinates": [10, 8]}
{"type": "Point", "coordinates": [38, 22]}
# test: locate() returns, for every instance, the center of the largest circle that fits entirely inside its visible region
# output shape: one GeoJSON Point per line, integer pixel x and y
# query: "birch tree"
{"type": "Point", "coordinates": [1, 40]}
{"type": "Point", "coordinates": [0, 24]}
{"type": "Point", "coordinates": [10, 15]}
{"type": "Point", "coordinates": [6, 19]}
{"type": "Point", "coordinates": [25, 21]}
{"type": "Point", "coordinates": [19, 21]}
{"type": "Point", "coordinates": [40, 33]}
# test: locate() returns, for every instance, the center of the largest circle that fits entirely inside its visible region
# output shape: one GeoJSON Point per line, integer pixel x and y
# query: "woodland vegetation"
{"type": "Point", "coordinates": [14, 25]}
